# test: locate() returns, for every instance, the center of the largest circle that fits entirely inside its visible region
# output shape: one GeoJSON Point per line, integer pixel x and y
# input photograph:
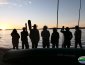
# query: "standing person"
{"type": "Point", "coordinates": [15, 39]}
{"type": "Point", "coordinates": [55, 38]}
{"type": "Point", "coordinates": [24, 38]}
{"type": "Point", "coordinates": [67, 37]}
{"type": "Point", "coordinates": [77, 37]}
{"type": "Point", "coordinates": [34, 36]}
{"type": "Point", "coordinates": [45, 37]}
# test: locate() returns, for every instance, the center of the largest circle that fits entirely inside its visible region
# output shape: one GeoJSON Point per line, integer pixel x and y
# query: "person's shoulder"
{"type": "Point", "coordinates": [80, 30]}
{"type": "Point", "coordinates": [42, 31]}
{"type": "Point", "coordinates": [70, 31]}
{"type": "Point", "coordinates": [21, 32]}
{"type": "Point", "coordinates": [47, 30]}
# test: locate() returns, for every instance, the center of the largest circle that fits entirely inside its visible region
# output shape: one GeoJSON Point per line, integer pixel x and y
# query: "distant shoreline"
{"type": "Point", "coordinates": [48, 28]}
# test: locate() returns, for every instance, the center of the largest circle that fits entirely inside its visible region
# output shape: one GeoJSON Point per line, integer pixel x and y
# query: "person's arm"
{"type": "Point", "coordinates": [42, 34]}
{"type": "Point", "coordinates": [27, 33]}
{"type": "Point", "coordinates": [21, 36]}
{"type": "Point", "coordinates": [62, 29]}
{"type": "Point", "coordinates": [51, 37]}
{"type": "Point", "coordinates": [80, 34]}
{"type": "Point", "coordinates": [71, 36]}
{"type": "Point", "coordinates": [18, 36]}
{"type": "Point", "coordinates": [38, 36]}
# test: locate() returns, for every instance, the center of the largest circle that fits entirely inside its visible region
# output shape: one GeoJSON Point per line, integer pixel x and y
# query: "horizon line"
{"type": "Point", "coordinates": [48, 28]}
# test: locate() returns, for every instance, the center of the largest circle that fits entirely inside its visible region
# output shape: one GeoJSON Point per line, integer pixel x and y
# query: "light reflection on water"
{"type": "Point", "coordinates": [5, 39]}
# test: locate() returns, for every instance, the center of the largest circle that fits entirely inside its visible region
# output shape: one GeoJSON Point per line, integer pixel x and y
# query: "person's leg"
{"type": "Point", "coordinates": [26, 45]}
{"type": "Point", "coordinates": [76, 44]}
{"type": "Point", "coordinates": [22, 45]}
{"type": "Point", "coordinates": [48, 44]}
{"type": "Point", "coordinates": [64, 44]}
{"type": "Point", "coordinates": [57, 44]}
{"type": "Point", "coordinates": [36, 44]}
{"type": "Point", "coordinates": [32, 44]}
{"type": "Point", "coordinates": [68, 44]}
{"type": "Point", "coordinates": [13, 46]}
{"type": "Point", "coordinates": [17, 46]}
{"type": "Point", "coordinates": [44, 45]}
{"type": "Point", "coordinates": [53, 45]}
{"type": "Point", "coordinates": [80, 44]}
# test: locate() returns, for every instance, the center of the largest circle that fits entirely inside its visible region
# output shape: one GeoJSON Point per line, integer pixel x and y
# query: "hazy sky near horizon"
{"type": "Point", "coordinates": [15, 13]}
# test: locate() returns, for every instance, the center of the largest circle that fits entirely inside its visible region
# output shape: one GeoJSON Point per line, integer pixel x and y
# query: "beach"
{"type": "Point", "coordinates": [40, 55]}
{"type": "Point", "coordinates": [2, 52]}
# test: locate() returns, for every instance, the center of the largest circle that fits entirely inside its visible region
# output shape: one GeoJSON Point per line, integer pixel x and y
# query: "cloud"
{"type": "Point", "coordinates": [30, 2]}
{"type": "Point", "coordinates": [2, 2]}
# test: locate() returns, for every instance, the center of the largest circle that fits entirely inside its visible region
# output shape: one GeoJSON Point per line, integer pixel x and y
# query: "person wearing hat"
{"type": "Point", "coordinates": [34, 36]}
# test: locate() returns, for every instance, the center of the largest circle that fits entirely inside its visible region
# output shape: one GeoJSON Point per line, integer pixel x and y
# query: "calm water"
{"type": "Point", "coordinates": [6, 42]}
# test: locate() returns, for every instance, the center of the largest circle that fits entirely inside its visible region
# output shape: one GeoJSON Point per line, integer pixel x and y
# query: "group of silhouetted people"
{"type": "Point", "coordinates": [45, 34]}
{"type": "Point", "coordinates": [68, 36]}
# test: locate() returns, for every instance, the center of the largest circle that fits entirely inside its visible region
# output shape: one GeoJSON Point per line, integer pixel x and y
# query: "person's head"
{"type": "Point", "coordinates": [24, 28]}
{"type": "Point", "coordinates": [54, 29]}
{"type": "Point", "coordinates": [76, 27]}
{"type": "Point", "coordinates": [45, 28]}
{"type": "Point", "coordinates": [67, 29]}
{"type": "Point", "coordinates": [62, 28]}
{"type": "Point", "coordinates": [14, 31]}
{"type": "Point", "coordinates": [35, 26]}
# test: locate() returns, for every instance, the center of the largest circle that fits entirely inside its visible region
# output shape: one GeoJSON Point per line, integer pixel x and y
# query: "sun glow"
{"type": "Point", "coordinates": [2, 27]}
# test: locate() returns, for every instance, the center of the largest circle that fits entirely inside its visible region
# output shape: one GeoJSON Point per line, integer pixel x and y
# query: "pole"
{"type": "Point", "coordinates": [79, 13]}
{"type": "Point", "coordinates": [57, 11]}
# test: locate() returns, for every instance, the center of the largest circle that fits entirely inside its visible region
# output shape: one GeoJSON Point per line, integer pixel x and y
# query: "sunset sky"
{"type": "Point", "coordinates": [15, 13]}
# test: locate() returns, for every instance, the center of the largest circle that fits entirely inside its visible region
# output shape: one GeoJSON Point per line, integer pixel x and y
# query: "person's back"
{"type": "Point", "coordinates": [15, 38]}
{"type": "Point", "coordinates": [67, 37]}
{"type": "Point", "coordinates": [24, 35]}
{"type": "Point", "coordinates": [55, 38]}
{"type": "Point", "coordinates": [24, 38]}
{"type": "Point", "coordinates": [45, 34]}
{"type": "Point", "coordinates": [77, 37]}
{"type": "Point", "coordinates": [34, 36]}
{"type": "Point", "coordinates": [45, 37]}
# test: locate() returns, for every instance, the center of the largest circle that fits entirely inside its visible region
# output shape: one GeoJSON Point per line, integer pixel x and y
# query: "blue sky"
{"type": "Point", "coordinates": [14, 13]}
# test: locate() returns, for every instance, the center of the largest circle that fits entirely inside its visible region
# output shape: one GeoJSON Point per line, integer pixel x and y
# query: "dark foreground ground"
{"type": "Point", "coordinates": [40, 56]}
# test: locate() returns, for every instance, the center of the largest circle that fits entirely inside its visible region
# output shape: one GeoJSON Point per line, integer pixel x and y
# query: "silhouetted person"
{"type": "Point", "coordinates": [45, 37]}
{"type": "Point", "coordinates": [15, 39]}
{"type": "Point", "coordinates": [24, 38]}
{"type": "Point", "coordinates": [67, 37]}
{"type": "Point", "coordinates": [55, 38]}
{"type": "Point", "coordinates": [77, 37]}
{"type": "Point", "coordinates": [34, 36]}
